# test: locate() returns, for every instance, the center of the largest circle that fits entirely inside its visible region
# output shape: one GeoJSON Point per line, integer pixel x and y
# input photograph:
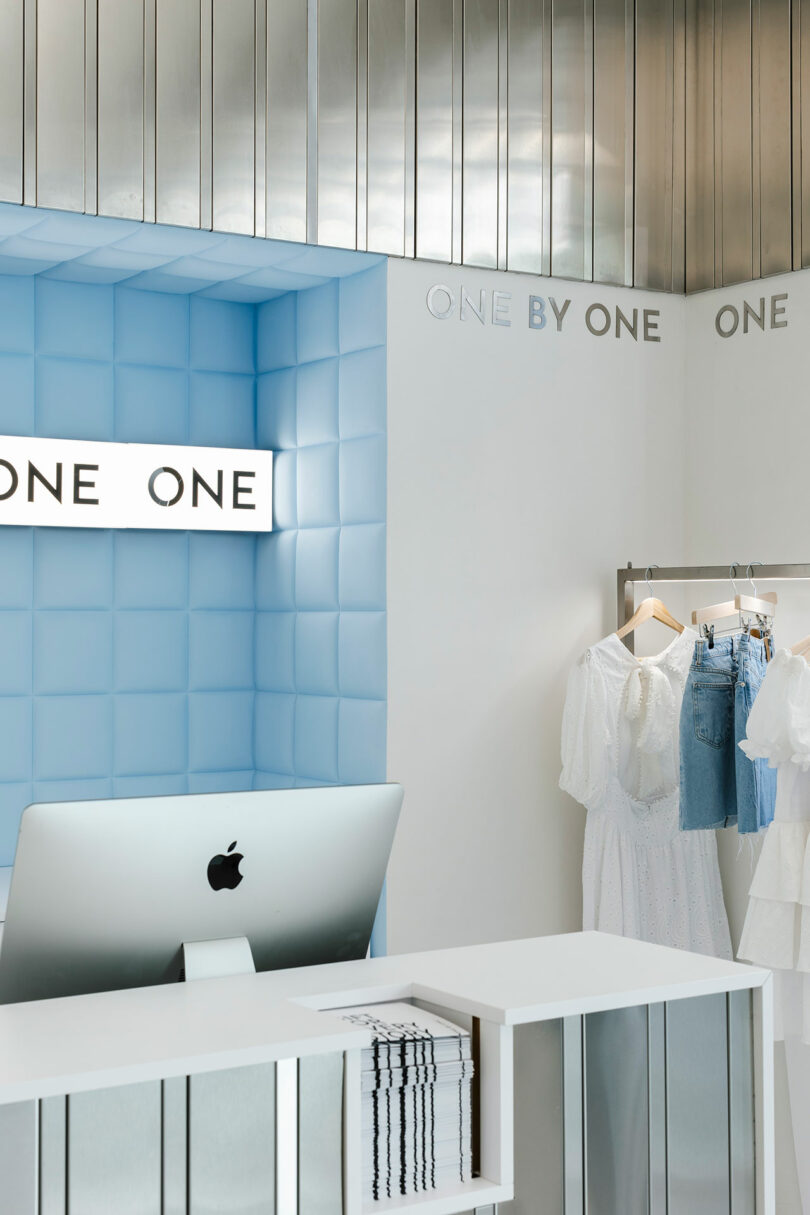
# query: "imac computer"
{"type": "Point", "coordinates": [113, 894]}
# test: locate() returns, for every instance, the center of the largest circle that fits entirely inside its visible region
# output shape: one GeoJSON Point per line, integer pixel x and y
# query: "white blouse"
{"type": "Point", "coordinates": [641, 875]}
{"type": "Point", "coordinates": [777, 926]}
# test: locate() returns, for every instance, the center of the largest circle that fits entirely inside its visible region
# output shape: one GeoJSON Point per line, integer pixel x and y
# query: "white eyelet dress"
{"type": "Point", "coordinates": [777, 926]}
{"type": "Point", "coordinates": [641, 875]}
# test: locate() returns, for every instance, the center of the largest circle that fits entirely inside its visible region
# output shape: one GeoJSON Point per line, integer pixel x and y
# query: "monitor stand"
{"type": "Point", "coordinates": [216, 959]}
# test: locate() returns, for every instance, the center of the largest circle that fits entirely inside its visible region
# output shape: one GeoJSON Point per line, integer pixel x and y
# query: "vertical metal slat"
{"type": "Point", "coordinates": [260, 120]}
{"type": "Point", "coordinates": [742, 1147]}
{"type": "Point", "coordinates": [610, 75]}
{"type": "Point", "coordinates": [616, 1079]}
{"type": "Point", "coordinates": [287, 120]}
{"type": "Point", "coordinates": [772, 110]}
{"type": "Point", "coordinates": [572, 149]}
{"type": "Point", "coordinates": [573, 1116]}
{"type": "Point", "coordinates": [206, 113]}
{"type": "Point", "coordinates": [434, 130]}
{"type": "Point", "coordinates": [53, 1155]}
{"type": "Point", "coordinates": [363, 84]}
{"type": "Point", "coordinates": [234, 116]}
{"type": "Point", "coordinates": [149, 113]}
{"type": "Point", "coordinates": [174, 1118]}
{"type": "Point", "coordinates": [114, 1151]}
{"type": "Point", "coordinates": [178, 110]}
{"type": "Point", "coordinates": [654, 144]}
{"type": "Point", "coordinates": [337, 123]}
{"type": "Point", "coordinates": [524, 167]}
{"type": "Point", "coordinates": [59, 115]}
{"type": "Point", "coordinates": [91, 106]}
{"type": "Point", "coordinates": [231, 1138]}
{"type": "Point", "coordinates": [657, 1108]}
{"type": "Point", "coordinates": [121, 86]}
{"type": "Point", "coordinates": [320, 1135]}
{"type": "Point", "coordinates": [11, 100]}
{"type": "Point", "coordinates": [480, 134]}
{"type": "Point", "coordinates": [19, 1151]}
{"type": "Point", "coordinates": [386, 127]}
{"type": "Point", "coordinates": [736, 144]}
{"type": "Point", "coordinates": [700, 147]}
{"type": "Point", "coordinates": [697, 1106]}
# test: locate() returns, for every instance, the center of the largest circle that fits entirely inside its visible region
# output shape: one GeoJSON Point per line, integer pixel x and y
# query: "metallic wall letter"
{"type": "Point", "coordinates": [735, 320]}
{"type": "Point", "coordinates": [559, 313]}
{"type": "Point", "coordinates": [757, 317]}
{"type": "Point", "coordinates": [501, 303]}
{"type": "Point", "coordinates": [478, 311]}
{"type": "Point", "coordinates": [777, 311]}
{"type": "Point", "coordinates": [594, 308]}
{"type": "Point", "coordinates": [651, 325]}
{"type": "Point", "coordinates": [433, 309]}
{"type": "Point", "coordinates": [630, 326]}
{"type": "Point", "coordinates": [537, 312]}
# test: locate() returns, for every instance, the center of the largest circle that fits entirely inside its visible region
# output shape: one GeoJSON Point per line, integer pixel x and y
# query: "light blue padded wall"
{"type": "Point", "coordinates": [320, 579]}
{"type": "Point", "coordinates": [150, 662]}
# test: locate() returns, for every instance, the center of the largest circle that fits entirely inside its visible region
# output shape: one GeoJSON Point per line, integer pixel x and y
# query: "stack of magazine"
{"type": "Point", "coordinates": [416, 1101]}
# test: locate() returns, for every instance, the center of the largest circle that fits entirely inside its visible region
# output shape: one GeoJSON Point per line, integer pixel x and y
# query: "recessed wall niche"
{"type": "Point", "coordinates": [139, 662]}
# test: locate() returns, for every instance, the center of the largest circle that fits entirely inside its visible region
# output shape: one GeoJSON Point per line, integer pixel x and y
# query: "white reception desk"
{"type": "Point", "coordinates": [613, 1076]}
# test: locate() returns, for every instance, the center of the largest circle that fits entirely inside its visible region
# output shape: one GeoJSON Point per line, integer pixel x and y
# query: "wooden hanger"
{"type": "Point", "coordinates": [650, 609]}
{"type": "Point", "coordinates": [801, 648]}
{"type": "Point", "coordinates": [754, 605]}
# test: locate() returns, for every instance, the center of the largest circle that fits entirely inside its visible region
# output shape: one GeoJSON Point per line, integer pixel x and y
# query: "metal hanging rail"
{"type": "Point", "coordinates": [627, 578]}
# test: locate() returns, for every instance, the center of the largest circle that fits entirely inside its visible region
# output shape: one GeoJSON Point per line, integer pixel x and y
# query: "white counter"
{"type": "Point", "coordinates": [89, 1042]}
{"type": "Point", "coordinates": [118, 1039]}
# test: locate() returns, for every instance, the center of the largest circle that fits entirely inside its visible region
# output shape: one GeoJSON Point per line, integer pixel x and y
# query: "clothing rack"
{"type": "Point", "coordinates": [627, 578]}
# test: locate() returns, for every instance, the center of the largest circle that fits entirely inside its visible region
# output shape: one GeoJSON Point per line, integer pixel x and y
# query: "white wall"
{"type": "Point", "coordinates": [747, 498]}
{"type": "Point", "coordinates": [524, 467]}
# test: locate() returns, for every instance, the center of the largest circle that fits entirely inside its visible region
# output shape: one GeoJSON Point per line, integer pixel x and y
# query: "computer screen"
{"type": "Point", "coordinates": [105, 893]}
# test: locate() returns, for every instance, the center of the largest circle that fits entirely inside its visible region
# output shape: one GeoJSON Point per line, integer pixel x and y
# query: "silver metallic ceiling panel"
{"type": "Point", "coordinates": [120, 108]}
{"type": "Point", "coordinates": [177, 106]}
{"type": "Point", "coordinates": [655, 143]}
{"type": "Point", "coordinates": [11, 100]}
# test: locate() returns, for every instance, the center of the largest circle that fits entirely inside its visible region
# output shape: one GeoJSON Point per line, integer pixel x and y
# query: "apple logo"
{"type": "Point", "coordinates": [223, 870]}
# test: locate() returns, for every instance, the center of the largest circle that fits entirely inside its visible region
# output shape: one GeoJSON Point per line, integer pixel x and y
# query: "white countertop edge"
{"type": "Point", "coordinates": [179, 1067]}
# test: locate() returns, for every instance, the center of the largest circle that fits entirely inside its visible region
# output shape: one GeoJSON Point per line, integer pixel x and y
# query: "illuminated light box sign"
{"type": "Point", "coordinates": [65, 483]}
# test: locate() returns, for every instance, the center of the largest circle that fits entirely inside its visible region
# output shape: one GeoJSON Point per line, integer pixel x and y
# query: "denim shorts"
{"type": "Point", "coordinates": [720, 785]}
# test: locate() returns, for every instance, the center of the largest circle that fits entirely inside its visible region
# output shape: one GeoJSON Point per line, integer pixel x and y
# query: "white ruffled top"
{"type": "Point", "coordinates": [777, 926]}
{"type": "Point", "coordinates": [641, 875]}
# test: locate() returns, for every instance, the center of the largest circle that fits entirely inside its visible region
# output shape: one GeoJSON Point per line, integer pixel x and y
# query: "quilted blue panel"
{"type": "Point", "coordinates": [140, 663]}
{"type": "Point", "coordinates": [320, 579]}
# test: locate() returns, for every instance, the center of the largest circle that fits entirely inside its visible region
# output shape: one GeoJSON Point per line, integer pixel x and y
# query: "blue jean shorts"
{"type": "Point", "coordinates": [720, 785]}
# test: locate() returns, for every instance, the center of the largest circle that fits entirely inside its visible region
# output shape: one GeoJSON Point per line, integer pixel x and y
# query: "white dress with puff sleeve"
{"type": "Point", "coordinates": [641, 875]}
{"type": "Point", "coordinates": [777, 926]}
